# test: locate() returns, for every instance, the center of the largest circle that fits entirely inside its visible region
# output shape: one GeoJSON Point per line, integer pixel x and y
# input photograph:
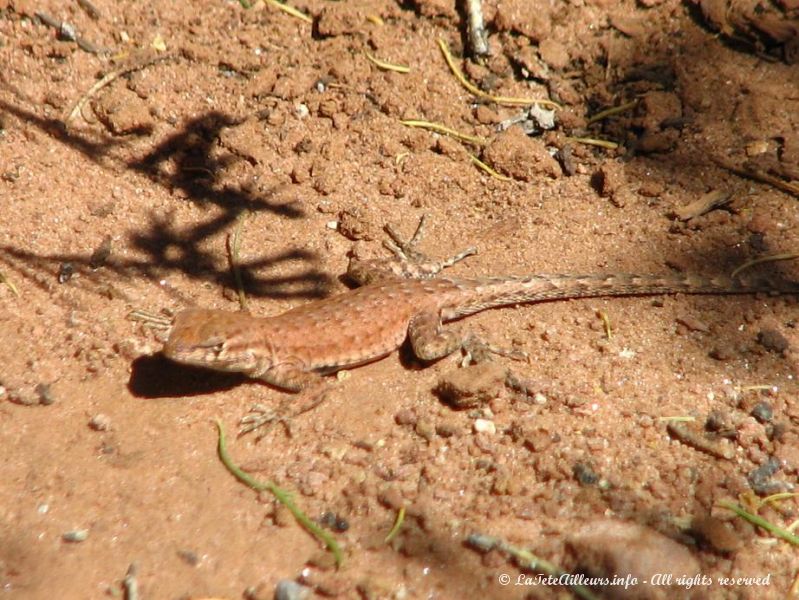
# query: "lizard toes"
{"type": "Point", "coordinates": [258, 417]}
{"type": "Point", "coordinates": [477, 351]}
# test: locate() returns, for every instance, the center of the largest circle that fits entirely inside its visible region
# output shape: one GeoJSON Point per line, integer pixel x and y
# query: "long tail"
{"type": "Point", "coordinates": [491, 292]}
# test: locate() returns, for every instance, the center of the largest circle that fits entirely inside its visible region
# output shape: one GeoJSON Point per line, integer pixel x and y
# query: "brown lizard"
{"type": "Point", "coordinates": [399, 299]}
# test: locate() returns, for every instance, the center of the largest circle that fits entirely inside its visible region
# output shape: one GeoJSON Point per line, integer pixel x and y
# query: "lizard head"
{"type": "Point", "coordinates": [213, 339]}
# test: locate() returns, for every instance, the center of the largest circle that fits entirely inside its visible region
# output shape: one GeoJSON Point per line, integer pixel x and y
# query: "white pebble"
{"type": "Point", "coordinates": [484, 426]}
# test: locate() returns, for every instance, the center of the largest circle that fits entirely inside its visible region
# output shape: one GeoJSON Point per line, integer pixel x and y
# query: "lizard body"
{"type": "Point", "coordinates": [367, 323]}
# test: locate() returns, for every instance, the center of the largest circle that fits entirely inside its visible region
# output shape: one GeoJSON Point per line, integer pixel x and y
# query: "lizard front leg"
{"type": "Point", "coordinates": [287, 375]}
{"type": "Point", "coordinates": [312, 388]}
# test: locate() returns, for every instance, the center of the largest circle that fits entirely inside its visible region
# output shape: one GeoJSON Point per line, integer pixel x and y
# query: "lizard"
{"type": "Point", "coordinates": [399, 298]}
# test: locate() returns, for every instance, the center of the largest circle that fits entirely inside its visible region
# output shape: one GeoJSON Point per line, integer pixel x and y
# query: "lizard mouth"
{"type": "Point", "coordinates": [215, 354]}
{"type": "Point", "coordinates": [226, 366]}
{"type": "Point", "coordinates": [328, 370]}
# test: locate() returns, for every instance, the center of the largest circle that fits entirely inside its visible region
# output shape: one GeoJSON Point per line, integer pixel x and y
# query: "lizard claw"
{"type": "Point", "coordinates": [414, 263]}
{"type": "Point", "coordinates": [407, 262]}
{"type": "Point", "coordinates": [262, 416]}
{"type": "Point", "coordinates": [406, 249]}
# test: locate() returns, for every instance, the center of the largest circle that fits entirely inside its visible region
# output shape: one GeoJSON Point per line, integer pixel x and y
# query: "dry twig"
{"type": "Point", "coordinates": [704, 204]}
{"type": "Point", "coordinates": [478, 40]}
{"type": "Point", "coordinates": [507, 100]}
{"type": "Point", "coordinates": [108, 78]}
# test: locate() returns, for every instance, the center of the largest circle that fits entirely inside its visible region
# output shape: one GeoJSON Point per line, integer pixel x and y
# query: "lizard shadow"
{"type": "Point", "coordinates": [157, 377]}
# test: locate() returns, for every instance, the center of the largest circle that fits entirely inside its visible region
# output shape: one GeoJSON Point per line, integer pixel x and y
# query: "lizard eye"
{"type": "Point", "coordinates": [215, 345]}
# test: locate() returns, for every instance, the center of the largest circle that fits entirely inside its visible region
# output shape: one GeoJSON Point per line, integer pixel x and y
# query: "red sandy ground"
{"type": "Point", "coordinates": [257, 111]}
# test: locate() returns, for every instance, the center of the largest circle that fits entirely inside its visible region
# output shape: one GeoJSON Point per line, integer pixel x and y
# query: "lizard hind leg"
{"type": "Point", "coordinates": [430, 342]}
{"type": "Point", "coordinates": [416, 264]}
{"type": "Point", "coordinates": [407, 262]}
{"type": "Point", "coordinates": [477, 351]}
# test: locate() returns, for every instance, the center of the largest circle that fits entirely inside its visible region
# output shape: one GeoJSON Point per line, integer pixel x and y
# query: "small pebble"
{"type": "Point", "coordinates": [65, 272]}
{"type": "Point", "coordinates": [425, 428]}
{"type": "Point", "coordinates": [75, 536]}
{"type": "Point", "coordinates": [189, 557]}
{"type": "Point", "coordinates": [788, 455]}
{"type": "Point", "coordinates": [481, 542]}
{"type": "Point", "coordinates": [720, 422]}
{"type": "Point", "coordinates": [333, 521]}
{"type": "Point", "coordinates": [473, 386]}
{"type": "Point", "coordinates": [756, 147]}
{"type": "Point", "coordinates": [538, 440]}
{"type": "Point", "coordinates": [484, 426]}
{"type": "Point", "coordinates": [282, 516]}
{"type": "Point", "coordinates": [646, 421]}
{"type": "Point", "coordinates": [341, 525]}
{"type": "Point", "coordinates": [585, 474]}
{"type": "Point", "coordinates": [651, 189]}
{"type": "Point", "coordinates": [259, 592]}
{"type": "Point", "coordinates": [45, 394]}
{"type": "Point", "coordinates": [100, 422]}
{"type": "Point", "coordinates": [367, 445]}
{"type": "Point", "coordinates": [761, 480]}
{"type": "Point", "coordinates": [773, 340]}
{"type": "Point", "coordinates": [763, 412]}
{"type": "Point", "coordinates": [720, 354]}
{"type": "Point", "coordinates": [405, 417]}
{"type": "Point", "coordinates": [447, 429]}
{"type": "Point", "coordinates": [691, 323]}
{"type": "Point", "coordinates": [67, 32]}
{"type": "Point", "coordinates": [286, 589]}
{"type": "Point", "coordinates": [22, 398]}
